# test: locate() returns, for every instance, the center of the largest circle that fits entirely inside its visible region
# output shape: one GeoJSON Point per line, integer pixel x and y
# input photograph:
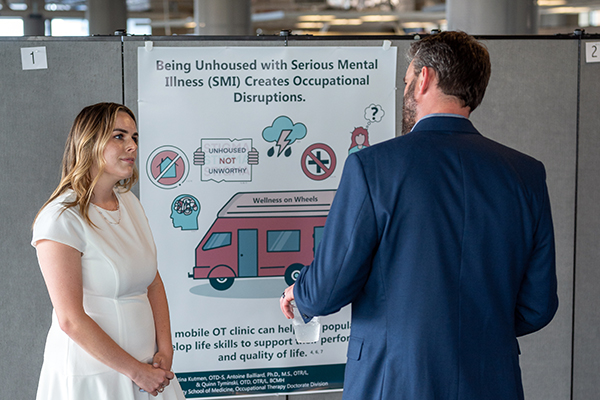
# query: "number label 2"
{"type": "Point", "coordinates": [592, 52]}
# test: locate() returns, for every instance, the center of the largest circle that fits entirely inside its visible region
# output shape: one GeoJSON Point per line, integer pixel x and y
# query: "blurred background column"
{"type": "Point", "coordinates": [33, 23]}
{"type": "Point", "coordinates": [222, 17]}
{"type": "Point", "coordinates": [493, 17]}
{"type": "Point", "coordinates": [106, 16]}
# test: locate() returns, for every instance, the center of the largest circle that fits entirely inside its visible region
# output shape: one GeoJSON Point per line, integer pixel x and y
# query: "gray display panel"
{"type": "Point", "coordinates": [542, 100]}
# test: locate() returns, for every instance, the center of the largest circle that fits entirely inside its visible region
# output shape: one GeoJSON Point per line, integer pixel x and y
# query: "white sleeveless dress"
{"type": "Point", "coordinates": [118, 263]}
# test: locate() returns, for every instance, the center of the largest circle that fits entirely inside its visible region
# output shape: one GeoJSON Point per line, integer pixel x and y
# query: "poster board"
{"type": "Point", "coordinates": [241, 153]}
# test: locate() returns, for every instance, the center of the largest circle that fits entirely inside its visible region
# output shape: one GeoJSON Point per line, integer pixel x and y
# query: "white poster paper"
{"type": "Point", "coordinates": [241, 152]}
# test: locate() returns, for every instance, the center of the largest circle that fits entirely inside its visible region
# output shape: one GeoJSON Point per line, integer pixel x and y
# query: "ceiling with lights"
{"type": "Point", "coordinates": [317, 17]}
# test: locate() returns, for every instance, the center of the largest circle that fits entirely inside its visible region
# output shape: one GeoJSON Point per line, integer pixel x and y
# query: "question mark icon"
{"type": "Point", "coordinates": [375, 109]}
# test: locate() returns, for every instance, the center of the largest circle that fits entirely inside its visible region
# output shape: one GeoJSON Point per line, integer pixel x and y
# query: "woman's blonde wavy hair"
{"type": "Point", "coordinates": [91, 131]}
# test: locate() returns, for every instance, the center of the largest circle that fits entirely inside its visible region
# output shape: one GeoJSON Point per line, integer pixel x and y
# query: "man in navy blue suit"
{"type": "Point", "coordinates": [442, 240]}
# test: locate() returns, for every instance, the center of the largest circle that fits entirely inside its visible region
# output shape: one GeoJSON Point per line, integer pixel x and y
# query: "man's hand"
{"type": "Point", "coordinates": [285, 300]}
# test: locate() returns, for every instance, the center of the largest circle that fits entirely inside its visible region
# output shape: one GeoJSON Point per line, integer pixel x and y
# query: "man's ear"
{"type": "Point", "coordinates": [426, 80]}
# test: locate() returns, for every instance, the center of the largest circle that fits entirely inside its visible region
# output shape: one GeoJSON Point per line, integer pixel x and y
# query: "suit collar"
{"type": "Point", "coordinates": [444, 122]}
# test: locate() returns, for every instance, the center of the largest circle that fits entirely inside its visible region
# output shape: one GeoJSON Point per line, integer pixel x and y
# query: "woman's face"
{"type": "Point", "coordinates": [360, 139]}
{"type": "Point", "coordinates": [121, 150]}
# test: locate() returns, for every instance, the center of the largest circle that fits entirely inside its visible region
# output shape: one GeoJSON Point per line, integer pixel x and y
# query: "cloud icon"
{"type": "Point", "coordinates": [284, 132]}
{"type": "Point", "coordinates": [283, 123]}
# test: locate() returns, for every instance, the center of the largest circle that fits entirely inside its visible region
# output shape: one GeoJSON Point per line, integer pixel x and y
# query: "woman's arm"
{"type": "Point", "coordinates": [160, 310]}
{"type": "Point", "coordinates": [61, 268]}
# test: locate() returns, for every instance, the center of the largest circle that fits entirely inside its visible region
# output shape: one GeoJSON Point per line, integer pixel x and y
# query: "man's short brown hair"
{"type": "Point", "coordinates": [461, 63]}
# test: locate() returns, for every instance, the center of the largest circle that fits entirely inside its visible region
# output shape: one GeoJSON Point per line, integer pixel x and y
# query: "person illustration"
{"type": "Point", "coordinates": [110, 336]}
{"type": "Point", "coordinates": [184, 212]}
{"type": "Point", "coordinates": [360, 140]}
{"type": "Point", "coordinates": [441, 239]}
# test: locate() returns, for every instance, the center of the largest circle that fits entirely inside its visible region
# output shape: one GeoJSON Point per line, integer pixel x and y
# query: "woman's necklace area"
{"type": "Point", "coordinates": [111, 220]}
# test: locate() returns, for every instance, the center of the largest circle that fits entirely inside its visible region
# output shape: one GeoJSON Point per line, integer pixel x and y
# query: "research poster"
{"type": "Point", "coordinates": [241, 152]}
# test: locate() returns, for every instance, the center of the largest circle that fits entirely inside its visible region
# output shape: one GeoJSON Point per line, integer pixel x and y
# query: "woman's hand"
{"type": "Point", "coordinates": [162, 360]}
{"type": "Point", "coordinates": [152, 379]}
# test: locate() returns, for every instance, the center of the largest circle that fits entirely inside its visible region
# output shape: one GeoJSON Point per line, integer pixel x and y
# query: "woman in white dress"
{"type": "Point", "coordinates": [110, 337]}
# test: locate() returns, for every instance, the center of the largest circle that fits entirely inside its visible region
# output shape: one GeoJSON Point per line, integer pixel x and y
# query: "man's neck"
{"type": "Point", "coordinates": [444, 115]}
{"type": "Point", "coordinates": [443, 107]}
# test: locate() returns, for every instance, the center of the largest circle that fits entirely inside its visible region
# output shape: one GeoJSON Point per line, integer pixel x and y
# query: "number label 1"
{"type": "Point", "coordinates": [34, 58]}
{"type": "Point", "coordinates": [592, 52]}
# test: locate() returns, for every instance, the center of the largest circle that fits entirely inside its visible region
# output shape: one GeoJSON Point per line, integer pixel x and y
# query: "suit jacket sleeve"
{"type": "Point", "coordinates": [537, 300]}
{"type": "Point", "coordinates": [343, 258]}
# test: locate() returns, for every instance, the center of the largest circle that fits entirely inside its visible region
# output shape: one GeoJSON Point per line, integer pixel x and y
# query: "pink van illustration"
{"type": "Point", "coordinates": [262, 234]}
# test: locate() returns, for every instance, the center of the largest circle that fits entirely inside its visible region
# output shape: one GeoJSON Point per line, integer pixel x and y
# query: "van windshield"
{"type": "Point", "coordinates": [217, 239]}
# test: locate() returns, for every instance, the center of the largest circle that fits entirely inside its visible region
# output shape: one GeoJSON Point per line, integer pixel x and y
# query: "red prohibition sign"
{"type": "Point", "coordinates": [318, 161]}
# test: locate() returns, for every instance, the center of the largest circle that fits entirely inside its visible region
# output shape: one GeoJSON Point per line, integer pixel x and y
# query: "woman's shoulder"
{"type": "Point", "coordinates": [58, 206]}
{"type": "Point", "coordinates": [61, 224]}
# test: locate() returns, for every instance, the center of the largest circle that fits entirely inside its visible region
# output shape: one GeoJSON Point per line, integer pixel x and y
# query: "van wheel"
{"type": "Point", "coordinates": [292, 272]}
{"type": "Point", "coordinates": [221, 283]}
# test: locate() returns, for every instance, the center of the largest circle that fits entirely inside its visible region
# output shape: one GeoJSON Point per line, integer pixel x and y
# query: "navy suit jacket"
{"type": "Point", "coordinates": [442, 240]}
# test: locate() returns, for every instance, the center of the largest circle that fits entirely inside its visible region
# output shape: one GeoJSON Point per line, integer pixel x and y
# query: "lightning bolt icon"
{"type": "Point", "coordinates": [283, 141]}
